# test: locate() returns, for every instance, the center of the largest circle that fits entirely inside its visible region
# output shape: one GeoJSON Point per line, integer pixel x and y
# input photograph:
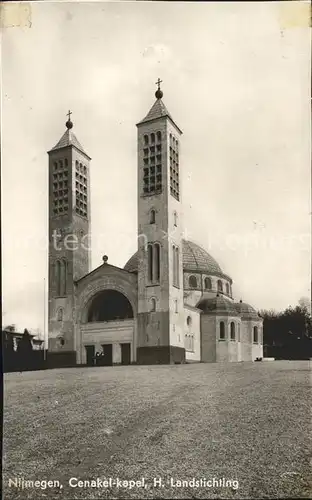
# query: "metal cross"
{"type": "Point", "coordinates": [68, 114]}
{"type": "Point", "coordinates": [159, 81]}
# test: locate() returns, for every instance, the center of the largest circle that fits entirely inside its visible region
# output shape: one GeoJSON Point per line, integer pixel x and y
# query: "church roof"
{"type": "Point", "coordinates": [218, 305]}
{"type": "Point", "coordinates": [158, 110]}
{"type": "Point", "coordinates": [69, 139]}
{"type": "Point", "coordinates": [246, 310]}
{"type": "Point", "coordinates": [195, 259]}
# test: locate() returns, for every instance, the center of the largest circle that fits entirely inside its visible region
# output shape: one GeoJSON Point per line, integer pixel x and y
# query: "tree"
{"type": "Point", "coordinates": [10, 328]}
{"type": "Point", "coordinates": [305, 302]}
{"type": "Point", "coordinates": [25, 345]}
{"type": "Point", "coordinates": [286, 327]}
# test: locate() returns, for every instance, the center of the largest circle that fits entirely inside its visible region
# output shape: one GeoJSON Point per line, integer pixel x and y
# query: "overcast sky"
{"type": "Point", "coordinates": [236, 79]}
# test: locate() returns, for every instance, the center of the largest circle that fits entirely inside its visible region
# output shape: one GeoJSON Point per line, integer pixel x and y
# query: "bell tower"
{"type": "Point", "coordinates": [69, 235]}
{"type": "Point", "coordinates": [160, 232]}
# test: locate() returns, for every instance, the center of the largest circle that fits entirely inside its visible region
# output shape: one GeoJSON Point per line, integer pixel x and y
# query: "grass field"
{"type": "Point", "coordinates": [246, 422]}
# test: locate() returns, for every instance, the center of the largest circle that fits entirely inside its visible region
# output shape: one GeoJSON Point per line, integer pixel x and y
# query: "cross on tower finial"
{"type": "Point", "coordinates": [158, 92]}
{"type": "Point", "coordinates": [69, 123]}
{"type": "Point", "coordinates": [159, 81]}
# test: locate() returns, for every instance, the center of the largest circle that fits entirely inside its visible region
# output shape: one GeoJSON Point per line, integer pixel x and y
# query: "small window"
{"type": "Point", "coordinates": [189, 321]}
{"type": "Point", "coordinates": [207, 284]}
{"type": "Point", "coordinates": [227, 288]}
{"type": "Point", "coordinates": [153, 305]}
{"type": "Point", "coordinates": [152, 216]}
{"type": "Point", "coordinates": [152, 138]}
{"type": "Point", "coordinates": [175, 219]}
{"type": "Point", "coordinates": [146, 139]}
{"type": "Point", "coordinates": [60, 314]}
{"type": "Point", "coordinates": [176, 305]}
{"type": "Point", "coordinates": [192, 282]}
{"type": "Point", "coordinates": [255, 335]}
{"type": "Point", "coordinates": [62, 341]}
{"type": "Point", "coordinates": [232, 331]}
{"type": "Point", "coordinates": [66, 162]}
{"type": "Point", "coordinates": [220, 286]}
{"type": "Point", "coordinates": [158, 136]}
{"type": "Point", "coordinates": [222, 330]}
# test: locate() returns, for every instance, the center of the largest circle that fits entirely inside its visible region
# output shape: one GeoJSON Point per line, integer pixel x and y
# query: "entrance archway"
{"type": "Point", "coordinates": [109, 305]}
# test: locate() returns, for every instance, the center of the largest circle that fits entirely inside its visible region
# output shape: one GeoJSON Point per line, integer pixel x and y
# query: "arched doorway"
{"type": "Point", "coordinates": [108, 329]}
{"type": "Point", "coordinates": [109, 305]}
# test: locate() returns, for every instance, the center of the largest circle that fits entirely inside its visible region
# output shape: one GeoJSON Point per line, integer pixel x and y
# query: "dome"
{"type": "Point", "coordinates": [246, 310]}
{"type": "Point", "coordinates": [218, 305]}
{"type": "Point", "coordinates": [195, 259]}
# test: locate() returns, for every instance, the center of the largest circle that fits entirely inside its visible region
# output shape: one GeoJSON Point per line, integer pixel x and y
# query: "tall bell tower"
{"type": "Point", "coordinates": [69, 236]}
{"type": "Point", "coordinates": [160, 232]}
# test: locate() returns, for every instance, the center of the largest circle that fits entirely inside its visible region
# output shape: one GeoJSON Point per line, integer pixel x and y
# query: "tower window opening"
{"type": "Point", "coordinates": [158, 134]}
{"type": "Point", "coordinates": [255, 335]}
{"type": "Point", "coordinates": [232, 332]}
{"type": "Point", "coordinates": [58, 277]}
{"type": "Point", "coordinates": [220, 286]}
{"type": "Point", "coordinates": [192, 282]}
{"type": "Point", "coordinates": [152, 216]}
{"type": "Point", "coordinates": [153, 262]}
{"type": "Point", "coordinates": [175, 267]}
{"type": "Point", "coordinates": [222, 330]}
{"type": "Point", "coordinates": [150, 262]}
{"type": "Point", "coordinates": [157, 262]}
{"type": "Point", "coordinates": [207, 284]}
{"type": "Point", "coordinates": [153, 305]}
{"type": "Point", "coordinates": [145, 139]}
{"type": "Point", "coordinates": [60, 314]}
{"type": "Point", "coordinates": [227, 288]}
{"type": "Point", "coordinates": [152, 138]}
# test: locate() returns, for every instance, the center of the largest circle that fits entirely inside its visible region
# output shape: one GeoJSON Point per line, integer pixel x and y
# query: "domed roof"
{"type": "Point", "coordinates": [246, 310]}
{"type": "Point", "coordinates": [218, 305]}
{"type": "Point", "coordinates": [195, 259]}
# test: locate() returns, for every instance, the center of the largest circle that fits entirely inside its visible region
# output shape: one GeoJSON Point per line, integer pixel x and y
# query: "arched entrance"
{"type": "Point", "coordinates": [109, 305]}
{"type": "Point", "coordinates": [108, 329]}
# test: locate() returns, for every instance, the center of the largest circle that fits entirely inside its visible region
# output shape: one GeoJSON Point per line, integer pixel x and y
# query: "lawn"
{"type": "Point", "coordinates": [245, 422]}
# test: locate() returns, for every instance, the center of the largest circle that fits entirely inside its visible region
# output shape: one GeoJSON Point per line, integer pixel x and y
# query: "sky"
{"type": "Point", "coordinates": [236, 79]}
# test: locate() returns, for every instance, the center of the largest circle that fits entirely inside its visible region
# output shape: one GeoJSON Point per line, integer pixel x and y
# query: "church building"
{"type": "Point", "coordinates": [171, 302]}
